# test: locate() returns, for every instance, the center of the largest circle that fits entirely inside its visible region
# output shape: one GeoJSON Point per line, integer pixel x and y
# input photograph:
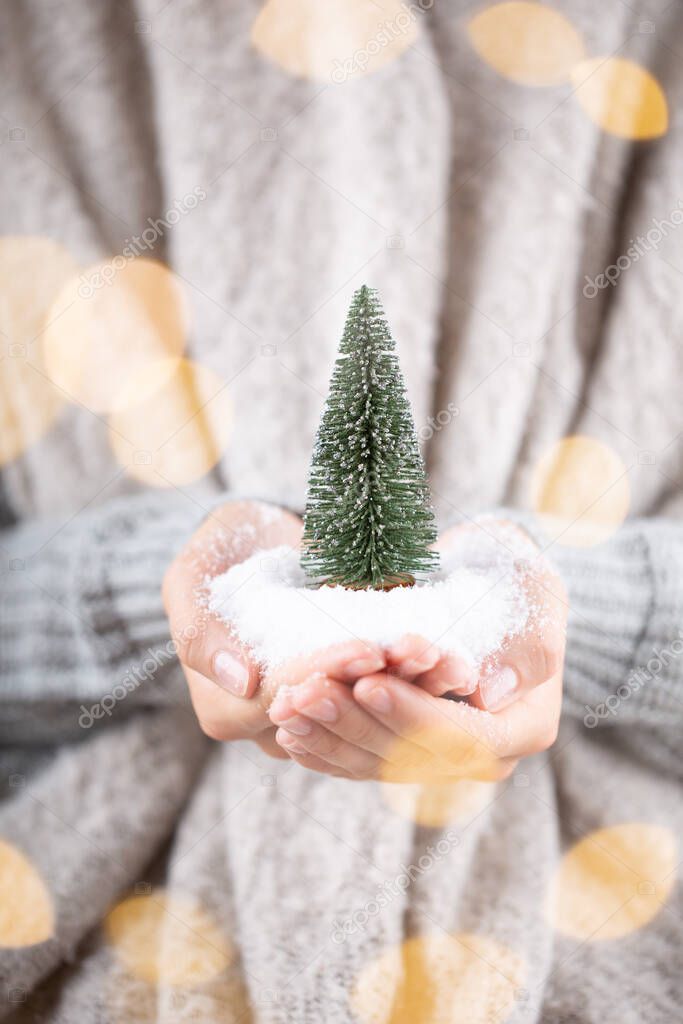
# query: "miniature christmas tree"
{"type": "Point", "coordinates": [368, 522]}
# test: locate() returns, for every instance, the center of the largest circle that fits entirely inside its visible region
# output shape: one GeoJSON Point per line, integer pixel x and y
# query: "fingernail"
{"type": "Point", "coordinates": [289, 742]}
{"type": "Point", "coordinates": [497, 690]}
{"type": "Point", "coordinates": [230, 673]}
{"type": "Point", "coordinates": [378, 699]}
{"type": "Point", "coordinates": [298, 725]}
{"type": "Point", "coordinates": [324, 710]}
{"type": "Point", "coordinates": [365, 666]}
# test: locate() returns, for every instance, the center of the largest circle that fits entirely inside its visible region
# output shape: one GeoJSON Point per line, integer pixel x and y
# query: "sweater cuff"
{"type": "Point", "coordinates": [624, 661]}
{"type": "Point", "coordinates": [611, 597]}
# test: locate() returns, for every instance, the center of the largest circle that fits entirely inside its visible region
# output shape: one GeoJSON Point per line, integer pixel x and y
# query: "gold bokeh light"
{"type": "Point", "coordinates": [167, 939]}
{"type": "Point", "coordinates": [109, 324]}
{"type": "Point", "coordinates": [621, 97]}
{"type": "Point", "coordinates": [580, 491]}
{"type": "Point", "coordinates": [613, 881]}
{"type": "Point", "coordinates": [435, 805]}
{"type": "Point", "coordinates": [26, 910]}
{"type": "Point", "coordinates": [337, 40]}
{"type": "Point", "coordinates": [437, 757]}
{"type": "Point", "coordinates": [32, 271]}
{"type": "Point", "coordinates": [439, 979]}
{"type": "Point", "coordinates": [174, 434]}
{"type": "Point", "coordinates": [528, 43]}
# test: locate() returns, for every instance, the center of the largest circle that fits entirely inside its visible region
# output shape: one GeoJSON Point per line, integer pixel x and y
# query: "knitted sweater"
{"type": "Point", "coordinates": [477, 206]}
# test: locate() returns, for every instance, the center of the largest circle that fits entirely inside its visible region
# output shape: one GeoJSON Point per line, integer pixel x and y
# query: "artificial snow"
{"type": "Point", "coordinates": [462, 609]}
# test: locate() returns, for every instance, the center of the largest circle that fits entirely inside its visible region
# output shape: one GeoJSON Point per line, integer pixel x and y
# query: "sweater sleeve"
{"type": "Point", "coordinates": [624, 659]}
{"type": "Point", "coordinates": [80, 603]}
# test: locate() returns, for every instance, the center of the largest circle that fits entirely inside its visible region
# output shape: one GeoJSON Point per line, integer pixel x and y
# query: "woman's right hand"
{"type": "Point", "coordinates": [229, 695]}
{"type": "Point", "coordinates": [223, 678]}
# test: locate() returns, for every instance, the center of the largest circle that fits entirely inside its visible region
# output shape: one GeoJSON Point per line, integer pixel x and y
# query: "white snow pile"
{"type": "Point", "coordinates": [463, 609]}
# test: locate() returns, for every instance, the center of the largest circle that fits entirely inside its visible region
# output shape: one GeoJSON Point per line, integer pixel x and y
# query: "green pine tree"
{"type": "Point", "coordinates": [369, 521]}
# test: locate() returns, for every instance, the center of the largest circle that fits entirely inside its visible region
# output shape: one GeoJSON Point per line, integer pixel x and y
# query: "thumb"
{"type": "Point", "coordinates": [533, 657]}
{"type": "Point", "coordinates": [202, 642]}
{"type": "Point", "coordinates": [525, 663]}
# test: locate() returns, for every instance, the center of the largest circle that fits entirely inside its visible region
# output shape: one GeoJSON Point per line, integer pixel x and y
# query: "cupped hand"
{"type": "Point", "coordinates": [397, 726]}
{"type": "Point", "coordinates": [221, 674]}
{"type": "Point", "coordinates": [229, 695]}
{"type": "Point", "coordinates": [527, 658]}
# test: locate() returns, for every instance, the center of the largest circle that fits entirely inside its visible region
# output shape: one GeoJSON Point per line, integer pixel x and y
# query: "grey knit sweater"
{"type": "Point", "coordinates": [479, 236]}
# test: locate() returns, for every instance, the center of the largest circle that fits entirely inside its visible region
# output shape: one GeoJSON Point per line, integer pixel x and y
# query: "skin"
{"type": "Point", "coordinates": [355, 710]}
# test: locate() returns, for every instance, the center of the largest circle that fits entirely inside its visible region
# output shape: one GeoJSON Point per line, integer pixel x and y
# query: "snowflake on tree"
{"type": "Point", "coordinates": [369, 521]}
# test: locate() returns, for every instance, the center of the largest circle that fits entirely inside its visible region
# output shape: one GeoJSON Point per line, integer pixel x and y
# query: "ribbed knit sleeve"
{"type": "Point", "coordinates": [625, 638]}
{"type": "Point", "coordinates": [80, 603]}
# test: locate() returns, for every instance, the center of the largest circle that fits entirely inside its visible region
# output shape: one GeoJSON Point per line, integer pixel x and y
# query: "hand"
{"type": "Point", "coordinates": [221, 674]}
{"type": "Point", "coordinates": [526, 659]}
{"type": "Point", "coordinates": [397, 726]}
{"type": "Point", "coordinates": [229, 695]}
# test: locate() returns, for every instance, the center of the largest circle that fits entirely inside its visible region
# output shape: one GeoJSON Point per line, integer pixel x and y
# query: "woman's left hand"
{"type": "Point", "coordinates": [397, 726]}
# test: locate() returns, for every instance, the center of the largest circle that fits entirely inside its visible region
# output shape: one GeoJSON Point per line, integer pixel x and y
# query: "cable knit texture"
{"type": "Point", "coordinates": [476, 206]}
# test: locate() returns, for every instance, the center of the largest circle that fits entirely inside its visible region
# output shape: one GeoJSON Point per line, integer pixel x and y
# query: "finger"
{"type": "Point", "coordinates": [531, 721]}
{"type": "Point", "coordinates": [451, 674]}
{"type": "Point", "coordinates": [448, 732]}
{"type": "Point", "coordinates": [532, 657]}
{"type": "Point", "coordinates": [468, 740]}
{"type": "Point", "coordinates": [346, 662]}
{"type": "Point", "coordinates": [424, 769]}
{"type": "Point", "coordinates": [316, 764]}
{"type": "Point", "coordinates": [528, 661]}
{"type": "Point", "coordinates": [411, 655]}
{"type": "Point", "coordinates": [221, 715]}
{"type": "Point", "coordinates": [332, 705]}
{"type": "Point", "coordinates": [202, 642]}
{"type": "Point", "coordinates": [332, 749]}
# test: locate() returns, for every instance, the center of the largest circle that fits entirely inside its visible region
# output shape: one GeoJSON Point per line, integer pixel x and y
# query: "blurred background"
{"type": "Point", "coordinates": [191, 192]}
